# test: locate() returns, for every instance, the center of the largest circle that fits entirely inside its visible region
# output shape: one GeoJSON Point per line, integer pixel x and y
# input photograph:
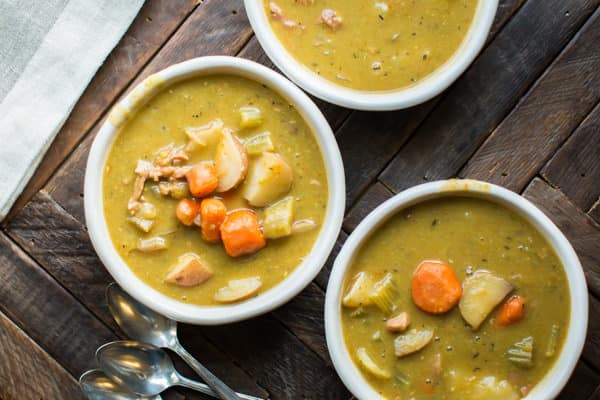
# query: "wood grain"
{"type": "Point", "coordinates": [556, 104]}
{"type": "Point", "coordinates": [575, 168]}
{"type": "Point", "coordinates": [594, 211]}
{"type": "Point", "coordinates": [373, 197]}
{"type": "Point", "coordinates": [579, 228]}
{"type": "Point", "coordinates": [278, 360]}
{"type": "Point", "coordinates": [47, 312]}
{"type": "Point", "coordinates": [155, 23]}
{"type": "Point", "coordinates": [591, 351]}
{"type": "Point", "coordinates": [25, 365]}
{"type": "Point", "coordinates": [480, 99]}
{"type": "Point", "coordinates": [323, 276]}
{"type": "Point", "coordinates": [217, 27]}
{"type": "Point", "coordinates": [582, 384]}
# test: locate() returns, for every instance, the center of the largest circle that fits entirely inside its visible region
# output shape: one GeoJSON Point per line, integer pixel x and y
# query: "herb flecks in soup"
{"type": "Point", "coordinates": [455, 298]}
{"type": "Point", "coordinates": [214, 190]}
{"type": "Point", "coordinates": [371, 45]}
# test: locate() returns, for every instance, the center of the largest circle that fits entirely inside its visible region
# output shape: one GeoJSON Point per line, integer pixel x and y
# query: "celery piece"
{"type": "Point", "coordinates": [376, 337]}
{"type": "Point", "coordinates": [151, 244]}
{"type": "Point", "coordinates": [384, 294]}
{"type": "Point", "coordinates": [259, 144]}
{"type": "Point", "coordinates": [521, 353]}
{"type": "Point", "coordinates": [358, 291]}
{"type": "Point", "coordinates": [142, 224]}
{"type": "Point", "coordinates": [553, 340]}
{"type": "Point", "coordinates": [180, 190]}
{"type": "Point", "coordinates": [251, 117]}
{"type": "Point", "coordinates": [359, 312]}
{"type": "Point", "coordinates": [401, 377]}
{"type": "Point", "coordinates": [367, 363]}
{"type": "Point", "coordinates": [278, 218]}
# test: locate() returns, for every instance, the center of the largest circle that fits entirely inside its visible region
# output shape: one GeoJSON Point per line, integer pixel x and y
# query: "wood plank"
{"type": "Point", "coordinates": [557, 103]}
{"type": "Point", "coordinates": [591, 351]}
{"type": "Point", "coordinates": [373, 197]}
{"type": "Point", "coordinates": [25, 365]}
{"type": "Point", "coordinates": [60, 243]}
{"type": "Point", "coordinates": [579, 228]}
{"type": "Point", "coordinates": [594, 211]}
{"type": "Point", "coordinates": [582, 384]}
{"type": "Point", "coordinates": [334, 114]}
{"type": "Point", "coordinates": [479, 100]}
{"type": "Point", "coordinates": [323, 276]}
{"type": "Point", "coordinates": [575, 168]}
{"type": "Point", "coordinates": [596, 395]}
{"type": "Point", "coordinates": [47, 312]}
{"type": "Point", "coordinates": [278, 360]}
{"type": "Point", "coordinates": [156, 21]}
{"type": "Point", "coordinates": [217, 27]}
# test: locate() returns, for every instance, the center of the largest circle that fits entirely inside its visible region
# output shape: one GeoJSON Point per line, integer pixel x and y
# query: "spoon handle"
{"type": "Point", "coordinates": [202, 388]}
{"type": "Point", "coordinates": [218, 386]}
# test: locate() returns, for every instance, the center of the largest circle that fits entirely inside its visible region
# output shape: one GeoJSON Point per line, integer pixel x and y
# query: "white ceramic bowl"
{"type": "Point", "coordinates": [301, 276]}
{"type": "Point", "coordinates": [553, 382]}
{"type": "Point", "coordinates": [418, 93]}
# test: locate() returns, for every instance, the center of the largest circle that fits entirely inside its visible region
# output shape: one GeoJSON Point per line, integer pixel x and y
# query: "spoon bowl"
{"type": "Point", "coordinates": [96, 385]}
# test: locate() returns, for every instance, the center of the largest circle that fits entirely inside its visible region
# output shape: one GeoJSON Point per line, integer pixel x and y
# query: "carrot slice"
{"type": "Point", "coordinates": [202, 179]}
{"type": "Point", "coordinates": [212, 215]}
{"type": "Point", "coordinates": [241, 234]}
{"type": "Point", "coordinates": [434, 287]}
{"type": "Point", "coordinates": [512, 311]}
{"type": "Point", "coordinates": [186, 211]}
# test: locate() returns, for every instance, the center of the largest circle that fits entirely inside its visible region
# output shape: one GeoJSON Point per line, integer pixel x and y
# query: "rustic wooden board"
{"type": "Point", "coordinates": [582, 384]}
{"type": "Point", "coordinates": [27, 372]}
{"type": "Point", "coordinates": [480, 99]}
{"type": "Point", "coordinates": [579, 228]}
{"type": "Point", "coordinates": [594, 211]}
{"type": "Point", "coordinates": [155, 23]}
{"type": "Point", "coordinates": [545, 117]}
{"type": "Point", "coordinates": [575, 168]}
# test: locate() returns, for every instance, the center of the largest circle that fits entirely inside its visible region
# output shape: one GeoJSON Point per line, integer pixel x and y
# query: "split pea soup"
{"type": "Point", "coordinates": [373, 45]}
{"type": "Point", "coordinates": [215, 190]}
{"type": "Point", "coordinates": [455, 298]}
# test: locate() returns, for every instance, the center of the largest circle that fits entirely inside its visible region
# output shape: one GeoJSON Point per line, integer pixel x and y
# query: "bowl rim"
{"type": "Point", "coordinates": [302, 275]}
{"type": "Point", "coordinates": [557, 376]}
{"type": "Point", "coordinates": [396, 99]}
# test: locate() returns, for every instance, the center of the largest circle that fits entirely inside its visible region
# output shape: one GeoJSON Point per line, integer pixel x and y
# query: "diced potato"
{"type": "Point", "coordinates": [238, 289]}
{"type": "Point", "coordinates": [384, 294]}
{"type": "Point", "coordinates": [269, 178]}
{"type": "Point", "coordinates": [144, 225]}
{"type": "Point", "coordinates": [412, 341]}
{"type": "Point", "coordinates": [251, 117]}
{"type": "Point", "coordinates": [367, 363]}
{"type": "Point", "coordinates": [278, 218]}
{"type": "Point", "coordinates": [490, 388]}
{"type": "Point", "coordinates": [189, 271]}
{"type": "Point", "coordinates": [359, 290]}
{"type": "Point", "coordinates": [231, 161]}
{"type": "Point", "coordinates": [146, 211]}
{"type": "Point", "coordinates": [259, 144]}
{"type": "Point", "coordinates": [151, 244]}
{"type": "Point", "coordinates": [482, 292]}
{"type": "Point", "coordinates": [303, 225]}
{"type": "Point", "coordinates": [205, 134]}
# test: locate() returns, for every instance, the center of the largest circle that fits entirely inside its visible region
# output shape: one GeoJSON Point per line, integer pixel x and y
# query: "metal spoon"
{"type": "Point", "coordinates": [141, 323]}
{"type": "Point", "coordinates": [146, 369]}
{"type": "Point", "coordinates": [97, 386]}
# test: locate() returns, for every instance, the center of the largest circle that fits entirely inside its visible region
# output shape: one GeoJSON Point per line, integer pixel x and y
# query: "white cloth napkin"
{"type": "Point", "coordinates": [49, 52]}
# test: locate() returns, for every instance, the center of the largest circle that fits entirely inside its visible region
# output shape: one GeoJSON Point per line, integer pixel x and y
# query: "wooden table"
{"type": "Point", "coordinates": [525, 115]}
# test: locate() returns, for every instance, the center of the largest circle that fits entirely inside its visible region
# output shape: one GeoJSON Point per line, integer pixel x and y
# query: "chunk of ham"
{"type": "Point", "coordinates": [331, 18]}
